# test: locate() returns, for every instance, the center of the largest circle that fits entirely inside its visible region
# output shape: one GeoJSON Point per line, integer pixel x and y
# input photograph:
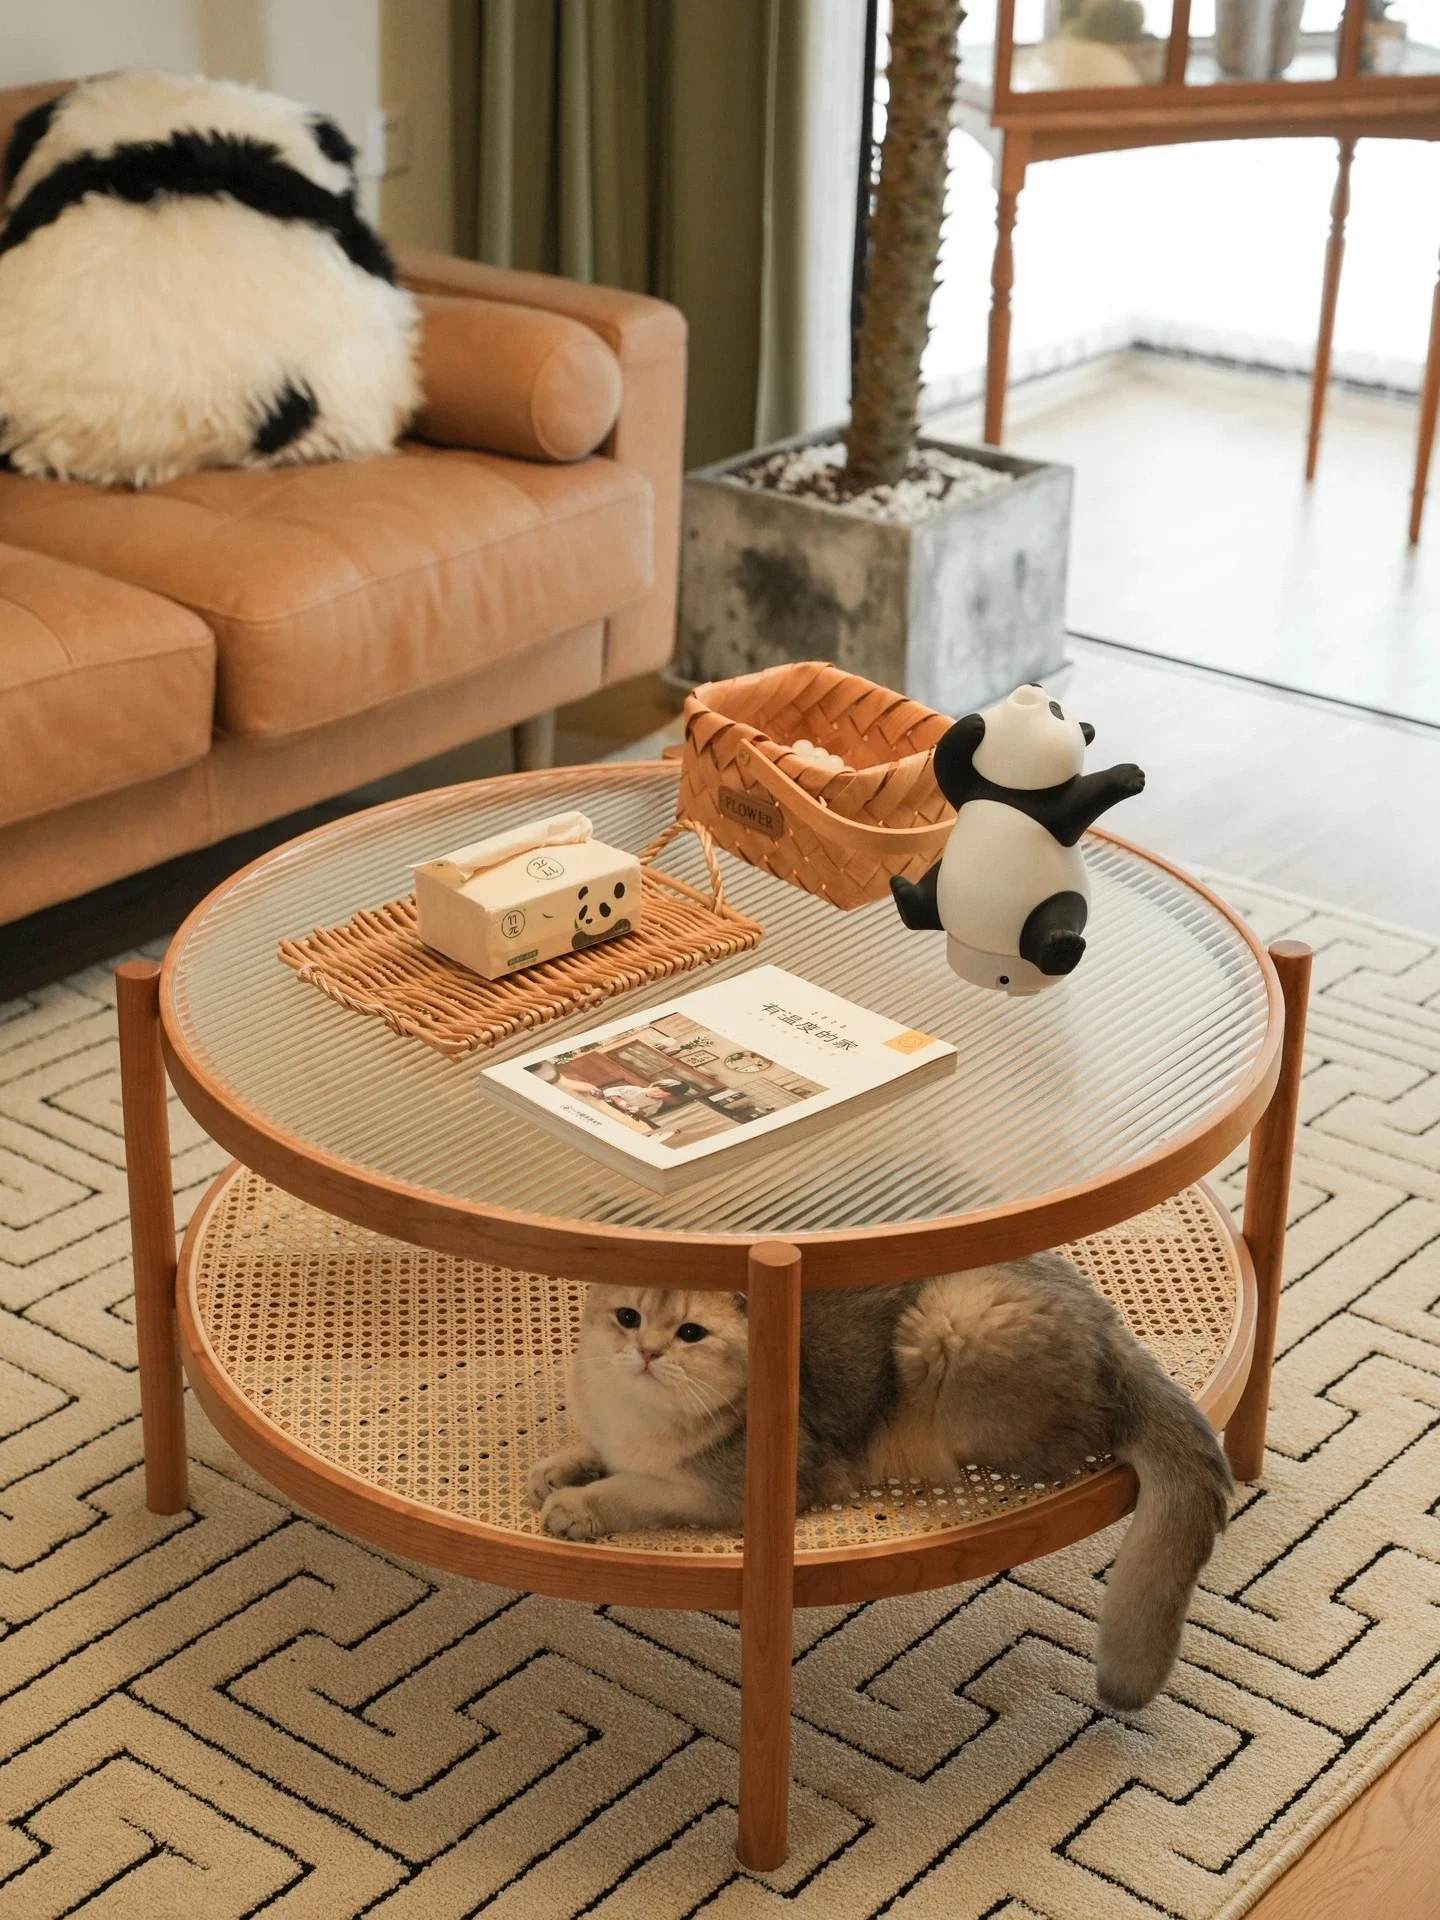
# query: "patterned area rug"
{"type": "Point", "coordinates": [237, 1711]}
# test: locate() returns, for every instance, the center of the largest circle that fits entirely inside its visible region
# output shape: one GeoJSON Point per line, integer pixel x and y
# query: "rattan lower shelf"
{"type": "Point", "coordinates": [434, 1383]}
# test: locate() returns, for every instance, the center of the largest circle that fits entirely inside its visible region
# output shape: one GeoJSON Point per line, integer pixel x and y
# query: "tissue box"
{"type": "Point", "coordinates": [532, 906]}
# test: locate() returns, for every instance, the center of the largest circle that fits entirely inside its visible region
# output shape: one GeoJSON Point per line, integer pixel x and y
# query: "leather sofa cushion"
{"type": "Point", "coordinates": [511, 379]}
{"type": "Point", "coordinates": [334, 589]}
{"type": "Point", "coordinates": [101, 685]}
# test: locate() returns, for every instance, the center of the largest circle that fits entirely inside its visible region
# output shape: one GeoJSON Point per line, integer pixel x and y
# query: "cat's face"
{"type": "Point", "coordinates": [681, 1353]}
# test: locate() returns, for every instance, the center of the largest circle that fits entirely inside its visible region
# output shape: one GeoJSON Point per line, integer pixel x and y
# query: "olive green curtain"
{"type": "Point", "coordinates": [652, 145]}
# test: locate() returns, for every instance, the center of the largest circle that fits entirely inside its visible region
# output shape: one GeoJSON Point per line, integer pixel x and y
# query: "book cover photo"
{"type": "Point", "coordinates": [709, 1078]}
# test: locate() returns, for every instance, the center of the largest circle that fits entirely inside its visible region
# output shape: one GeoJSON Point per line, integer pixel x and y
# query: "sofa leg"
{"type": "Point", "coordinates": [535, 742]}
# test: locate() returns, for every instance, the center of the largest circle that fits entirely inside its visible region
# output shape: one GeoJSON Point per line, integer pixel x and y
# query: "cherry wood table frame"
{"type": "Point", "coordinates": [766, 1582]}
{"type": "Point", "coordinates": [1029, 126]}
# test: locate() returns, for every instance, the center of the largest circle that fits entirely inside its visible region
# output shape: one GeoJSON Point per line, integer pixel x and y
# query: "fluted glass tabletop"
{"type": "Point", "coordinates": [1160, 1028]}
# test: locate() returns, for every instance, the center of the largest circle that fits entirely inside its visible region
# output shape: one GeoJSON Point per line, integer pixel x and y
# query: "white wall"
{"type": "Point", "coordinates": [53, 39]}
{"type": "Point", "coordinates": [325, 52]}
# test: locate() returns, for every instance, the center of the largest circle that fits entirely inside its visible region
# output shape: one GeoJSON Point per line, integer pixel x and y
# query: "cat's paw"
{"type": "Point", "coordinates": [570, 1468]}
{"type": "Point", "coordinates": [571, 1513]}
{"type": "Point", "coordinates": [538, 1485]}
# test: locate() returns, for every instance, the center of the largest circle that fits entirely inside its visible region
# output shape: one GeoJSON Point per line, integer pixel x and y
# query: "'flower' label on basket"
{"type": "Point", "coordinates": [750, 810]}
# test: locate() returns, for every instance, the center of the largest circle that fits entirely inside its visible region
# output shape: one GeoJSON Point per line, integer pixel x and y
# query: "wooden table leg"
{"type": "Point", "coordinates": [1267, 1202]}
{"type": "Point", "coordinates": [1429, 407]}
{"type": "Point", "coordinates": [767, 1592]}
{"type": "Point", "coordinates": [1329, 298]}
{"type": "Point", "coordinates": [152, 1234]}
{"type": "Point", "coordinates": [1013, 156]}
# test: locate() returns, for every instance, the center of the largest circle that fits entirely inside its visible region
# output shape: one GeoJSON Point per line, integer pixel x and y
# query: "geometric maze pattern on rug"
{"type": "Point", "coordinates": [238, 1711]}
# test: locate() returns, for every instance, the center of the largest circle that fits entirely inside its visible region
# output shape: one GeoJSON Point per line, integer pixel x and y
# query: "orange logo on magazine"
{"type": "Point", "coordinates": [911, 1042]}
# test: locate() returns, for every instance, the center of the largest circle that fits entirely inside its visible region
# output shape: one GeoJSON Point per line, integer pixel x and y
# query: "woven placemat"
{"type": "Point", "coordinates": [375, 963]}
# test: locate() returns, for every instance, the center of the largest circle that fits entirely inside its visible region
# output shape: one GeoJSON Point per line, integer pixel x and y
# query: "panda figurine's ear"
{"type": "Point", "coordinates": [1088, 731]}
{"type": "Point", "coordinates": [955, 756]}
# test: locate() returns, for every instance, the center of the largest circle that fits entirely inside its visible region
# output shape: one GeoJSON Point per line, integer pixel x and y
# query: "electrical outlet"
{"type": "Point", "coordinates": [387, 141]}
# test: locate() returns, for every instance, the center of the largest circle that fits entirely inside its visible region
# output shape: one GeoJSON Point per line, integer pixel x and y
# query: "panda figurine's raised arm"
{"type": "Point", "coordinates": [1010, 891]}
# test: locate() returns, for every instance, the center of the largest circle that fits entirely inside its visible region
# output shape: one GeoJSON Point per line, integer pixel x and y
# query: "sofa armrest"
{"type": "Point", "coordinates": [513, 380]}
{"type": "Point", "coordinates": [647, 337]}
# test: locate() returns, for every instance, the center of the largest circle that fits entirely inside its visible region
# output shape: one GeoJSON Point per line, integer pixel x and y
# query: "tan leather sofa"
{"type": "Point", "coordinates": [182, 663]}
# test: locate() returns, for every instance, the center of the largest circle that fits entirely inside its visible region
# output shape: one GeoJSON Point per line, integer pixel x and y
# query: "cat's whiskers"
{"type": "Point", "coordinates": [688, 1391]}
{"type": "Point", "coordinates": [712, 1394]}
{"type": "Point", "coordinates": [710, 1403]}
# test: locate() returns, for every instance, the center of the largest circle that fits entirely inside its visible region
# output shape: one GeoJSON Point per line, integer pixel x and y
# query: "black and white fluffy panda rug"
{"type": "Point", "coordinates": [185, 282]}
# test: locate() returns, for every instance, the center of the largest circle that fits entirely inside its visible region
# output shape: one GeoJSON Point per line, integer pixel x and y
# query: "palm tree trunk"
{"type": "Point", "coordinates": [904, 243]}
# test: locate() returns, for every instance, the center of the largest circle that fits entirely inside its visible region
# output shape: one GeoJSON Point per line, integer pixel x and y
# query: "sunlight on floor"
{"type": "Point", "coordinates": [1195, 535]}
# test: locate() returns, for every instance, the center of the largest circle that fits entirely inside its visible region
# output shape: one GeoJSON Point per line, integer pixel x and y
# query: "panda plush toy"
{"type": "Point", "coordinates": [186, 282]}
{"type": "Point", "coordinates": [1010, 891]}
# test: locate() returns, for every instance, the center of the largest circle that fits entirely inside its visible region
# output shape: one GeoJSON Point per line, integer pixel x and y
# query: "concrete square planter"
{"type": "Point", "coordinates": [956, 610]}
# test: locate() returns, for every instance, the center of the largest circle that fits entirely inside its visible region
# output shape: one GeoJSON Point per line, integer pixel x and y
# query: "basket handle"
{"type": "Point", "coordinates": [707, 847]}
{"type": "Point", "coordinates": [855, 835]}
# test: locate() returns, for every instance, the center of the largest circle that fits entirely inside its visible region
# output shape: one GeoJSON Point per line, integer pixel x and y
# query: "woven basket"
{"type": "Point", "coordinates": [843, 836]}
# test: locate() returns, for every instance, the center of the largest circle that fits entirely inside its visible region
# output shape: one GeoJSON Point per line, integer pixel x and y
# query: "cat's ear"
{"type": "Point", "coordinates": [740, 1302]}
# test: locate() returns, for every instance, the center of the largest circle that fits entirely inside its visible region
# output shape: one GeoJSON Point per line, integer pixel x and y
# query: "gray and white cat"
{"type": "Point", "coordinates": [1021, 1369]}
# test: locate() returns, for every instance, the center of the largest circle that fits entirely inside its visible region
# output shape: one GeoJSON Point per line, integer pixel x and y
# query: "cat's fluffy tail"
{"type": "Point", "coordinates": [1185, 1486]}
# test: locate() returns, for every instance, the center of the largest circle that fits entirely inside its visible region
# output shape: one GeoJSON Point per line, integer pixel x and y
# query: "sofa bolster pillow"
{"type": "Point", "coordinates": [513, 380]}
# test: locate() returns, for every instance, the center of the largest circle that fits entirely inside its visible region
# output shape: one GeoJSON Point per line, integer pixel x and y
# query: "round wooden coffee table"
{"type": "Point", "coordinates": [376, 1302]}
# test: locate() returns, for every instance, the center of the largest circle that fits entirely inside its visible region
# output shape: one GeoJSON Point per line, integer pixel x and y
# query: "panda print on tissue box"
{"type": "Point", "coordinates": [1010, 892]}
{"type": "Point", "coordinates": [186, 282]}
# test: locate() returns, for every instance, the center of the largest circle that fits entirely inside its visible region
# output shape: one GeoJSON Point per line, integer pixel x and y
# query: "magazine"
{"type": "Point", "coordinates": [708, 1079]}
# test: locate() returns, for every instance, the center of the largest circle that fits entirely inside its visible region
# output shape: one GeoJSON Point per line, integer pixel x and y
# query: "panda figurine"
{"type": "Point", "coordinates": [1010, 891]}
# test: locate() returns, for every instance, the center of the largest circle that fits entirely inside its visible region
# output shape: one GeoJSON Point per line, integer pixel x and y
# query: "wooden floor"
{"type": "Point", "coordinates": [1380, 1860]}
{"type": "Point", "coordinates": [1300, 793]}
{"type": "Point", "coordinates": [1196, 536]}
